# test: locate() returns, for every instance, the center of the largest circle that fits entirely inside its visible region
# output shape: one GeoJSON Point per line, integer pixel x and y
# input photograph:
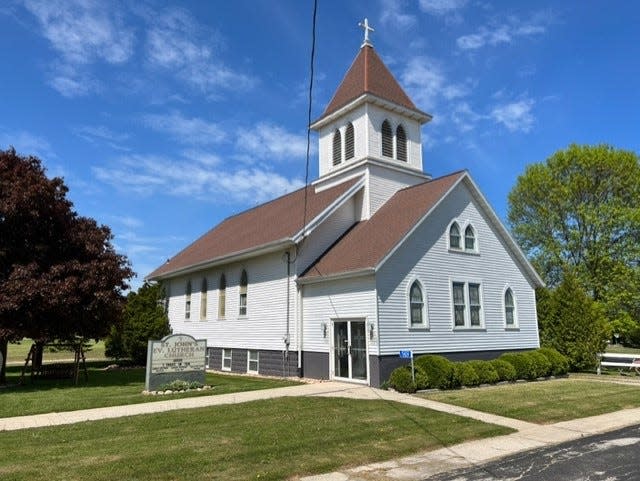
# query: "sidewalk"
{"type": "Point", "coordinates": [414, 467]}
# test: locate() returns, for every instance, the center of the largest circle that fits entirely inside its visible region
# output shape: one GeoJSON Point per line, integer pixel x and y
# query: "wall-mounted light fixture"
{"type": "Point", "coordinates": [371, 330]}
{"type": "Point", "coordinates": [323, 329]}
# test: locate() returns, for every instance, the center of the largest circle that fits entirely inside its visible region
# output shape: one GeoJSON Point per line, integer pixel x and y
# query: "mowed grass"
{"type": "Point", "coordinates": [545, 402]}
{"type": "Point", "coordinates": [107, 388]}
{"type": "Point", "coordinates": [17, 352]}
{"type": "Point", "coordinates": [267, 440]}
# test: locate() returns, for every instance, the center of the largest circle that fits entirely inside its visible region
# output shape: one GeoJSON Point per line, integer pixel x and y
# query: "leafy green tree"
{"type": "Point", "coordinates": [581, 210]}
{"type": "Point", "coordinates": [60, 277]}
{"type": "Point", "coordinates": [573, 324]}
{"type": "Point", "coordinates": [144, 318]}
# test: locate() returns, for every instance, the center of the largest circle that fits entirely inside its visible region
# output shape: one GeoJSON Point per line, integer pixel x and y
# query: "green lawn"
{"type": "Point", "coordinates": [620, 349]}
{"type": "Point", "coordinates": [545, 402]}
{"type": "Point", "coordinates": [17, 353]}
{"type": "Point", "coordinates": [266, 440]}
{"type": "Point", "coordinates": [107, 388]}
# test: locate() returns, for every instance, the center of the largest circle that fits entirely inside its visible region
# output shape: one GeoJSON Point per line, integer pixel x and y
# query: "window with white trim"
{"type": "Point", "coordinates": [203, 299]}
{"type": "Point", "coordinates": [469, 239]}
{"type": "Point", "coordinates": [222, 296]}
{"type": "Point", "coordinates": [509, 308]}
{"type": "Point", "coordinates": [467, 304]}
{"type": "Point", "coordinates": [226, 359]}
{"type": "Point", "coordinates": [417, 316]}
{"type": "Point", "coordinates": [243, 293]}
{"type": "Point", "coordinates": [253, 361]}
{"type": "Point", "coordinates": [187, 301]}
{"type": "Point", "coordinates": [454, 236]}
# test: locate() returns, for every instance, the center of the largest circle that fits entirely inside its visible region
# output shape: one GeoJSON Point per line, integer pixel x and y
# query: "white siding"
{"type": "Point", "coordinates": [376, 116]}
{"type": "Point", "coordinates": [383, 183]}
{"type": "Point", "coordinates": [326, 234]}
{"type": "Point", "coordinates": [425, 256]}
{"type": "Point", "coordinates": [357, 118]}
{"type": "Point", "coordinates": [347, 299]}
{"type": "Point", "coordinates": [263, 327]}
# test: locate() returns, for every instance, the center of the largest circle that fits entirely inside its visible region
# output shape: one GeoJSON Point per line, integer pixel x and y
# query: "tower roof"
{"type": "Point", "coordinates": [368, 74]}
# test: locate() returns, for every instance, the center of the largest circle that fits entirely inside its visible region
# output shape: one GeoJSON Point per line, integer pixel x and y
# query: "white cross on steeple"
{"type": "Point", "coordinates": [365, 26]}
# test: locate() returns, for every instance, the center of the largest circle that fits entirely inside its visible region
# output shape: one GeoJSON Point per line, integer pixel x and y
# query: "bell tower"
{"type": "Point", "coordinates": [371, 127]}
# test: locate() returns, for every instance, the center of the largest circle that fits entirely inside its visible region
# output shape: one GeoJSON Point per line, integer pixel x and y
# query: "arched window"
{"type": "Point", "coordinates": [187, 302]}
{"type": "Point", "coordinates": [349, 142]}
{"type": "Point", "coordinates": [203, 299]}
{"type": "Point", "coordinates": [416, 304]}
{"type": "Point", "coordinates": [337, 147]}
{"type": "Point", "coordinates": [243, 293]}
{"type": "Point", "coordinates": [454, 236]}
{"type": "Point", "coordinates": [401, 144]}
{"type": "Point", "coordinates": [509, 308]}
{"type": "Point", "coordinates": [222, 296]}
{"type": "Point", "coordinates": [469, 239]}
{"type": "Point", "coordinates": [387, 139]}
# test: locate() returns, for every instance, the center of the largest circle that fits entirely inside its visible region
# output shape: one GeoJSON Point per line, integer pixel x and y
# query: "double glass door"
{"type": "Point", "coordinates": [350, 350]}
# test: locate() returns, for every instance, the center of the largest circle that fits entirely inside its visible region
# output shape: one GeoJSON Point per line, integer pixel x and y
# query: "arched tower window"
{"type": "Point", "coordinates": [469, 239]}
{"type": "Point", "coordinates": [337, 147]}
{"type": "Point", "coordinates": [401, 144]}
{"type": "Point", "coordinates": [243, 293]}
{"type": "Point", "coordinates": [387, 139]}
{"type": "Point", "coordinates": [222, 296]}
{"type": "Point", "coordinates": [203, 299]}
{"type": "Point", "coordinates": [509, 308]}
{"type": "Point", "coordinates": [187, 301]}
{"type": "Point", "coordinates": [454, 236]}
{"type": "Point", "coordinates": [349, 142]}
{"type": "Point", "coordinates": [416, 304]}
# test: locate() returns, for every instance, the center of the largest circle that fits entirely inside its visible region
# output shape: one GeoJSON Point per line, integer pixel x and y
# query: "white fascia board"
{"type": "Point", "coordinates": [416, 114]}
{"type": "Point", "coordinates": [417, 224]}
{"type": "Point", "coordinates": [268, 248]}
{"type": "Point", "coordinates": [504, 232]}
{"type": "Point", "coordinates": [322, 216]}
{"type": "Point", "coordinates": [367, 271]}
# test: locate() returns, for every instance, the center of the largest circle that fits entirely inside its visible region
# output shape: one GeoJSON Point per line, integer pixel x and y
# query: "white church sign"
{"type": "Point", "coordinates": [175, 357]}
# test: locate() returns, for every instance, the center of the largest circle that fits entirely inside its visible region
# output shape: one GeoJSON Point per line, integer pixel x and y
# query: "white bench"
{"type": "Point", "coordinates": [629, 361]}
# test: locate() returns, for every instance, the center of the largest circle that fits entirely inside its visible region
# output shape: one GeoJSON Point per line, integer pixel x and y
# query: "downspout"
{"type": "Point", "coordinates": [287, 334]}
{"type": "Point", "coordinates": [300, 326]}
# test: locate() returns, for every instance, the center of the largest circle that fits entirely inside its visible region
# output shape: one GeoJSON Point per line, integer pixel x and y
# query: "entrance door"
{"type": "Point", "coordinates": [350, 350]}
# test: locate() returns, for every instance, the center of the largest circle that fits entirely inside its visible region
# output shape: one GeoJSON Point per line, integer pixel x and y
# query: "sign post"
{"type": "Point", "coordinates": [409, 355]}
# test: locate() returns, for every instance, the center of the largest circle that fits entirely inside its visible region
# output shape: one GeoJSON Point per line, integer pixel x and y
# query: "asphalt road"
{"type": "Point", "coordinates": [613, 456]}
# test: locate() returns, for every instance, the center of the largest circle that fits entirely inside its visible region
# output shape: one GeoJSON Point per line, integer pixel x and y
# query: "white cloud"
{"type": "Point", "coordinates": [176, 42]}
{"type": "Point", "coordinates": [515, 116]}
{"type": "Point", "coordinates": [83, 30]}
{"type": "Point", "coordinates": [505, 32]}
{"type": "Point", "coordinates": [268, 141]}
{"type": "Point", "coordinates": [100, 134]}
{"type": "Point", "coordinates": [441, 7]}
{"type": "Point", "coordinates": [26, 143]}
{"type": "Point", "coordinates": [427, 83]}
{"type": "Point", "coordinates": [148, 175]}
{"type": "Point", "coordinates": [393, 16]}
{"type": "Point", "coordinates": [192, 131]}
{"type": "Point", "coordinates": [465, 117]}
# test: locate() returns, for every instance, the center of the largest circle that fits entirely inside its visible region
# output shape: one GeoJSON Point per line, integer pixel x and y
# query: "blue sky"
{"type": "Point", "coordinates": [166, 117]}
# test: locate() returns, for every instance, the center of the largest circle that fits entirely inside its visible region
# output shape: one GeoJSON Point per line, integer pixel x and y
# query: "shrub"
{"type": "Point", "coordinates": [465, 374]}
{"type": "Point", "coordinates": [522, 364]}
{"type": "Point", "coordinates": [401, 380]}
{"type": "Point", "coordinates": [506, 372]}
{"type": "Point", "coordinates": [180, 385]}
{"type": "Point", "coordinates": [485, 371]}
{"type": "Point", "coordinates": [438, 370]}
{"type": "Point", "coordinates": [559, 363]}
{"type": "Point", "coordinates": [541, 365]}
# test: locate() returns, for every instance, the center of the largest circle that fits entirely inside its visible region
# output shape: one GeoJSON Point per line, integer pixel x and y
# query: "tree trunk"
{"type": "Point", "coordinates": [3, 360]}
{"type": "Point", "coordinates": [37, 358]}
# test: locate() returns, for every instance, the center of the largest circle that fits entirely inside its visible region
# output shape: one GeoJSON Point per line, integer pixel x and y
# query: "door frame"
{"type": "Point", "coordinates": [332, 367]}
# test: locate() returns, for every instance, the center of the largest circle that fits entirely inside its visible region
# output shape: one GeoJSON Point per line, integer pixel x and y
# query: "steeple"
{"type": "Point", "coordinates": [370, 126]}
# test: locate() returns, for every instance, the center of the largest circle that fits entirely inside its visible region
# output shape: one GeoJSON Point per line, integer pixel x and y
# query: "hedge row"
{"type": "Point", "coordinates": [437, 372]}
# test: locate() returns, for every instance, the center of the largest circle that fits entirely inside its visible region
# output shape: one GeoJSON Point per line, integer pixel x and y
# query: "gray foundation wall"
{"type": "Point", "coordinates": [270, 363]}
{"type": "Point", "coordinates": [315, 365]}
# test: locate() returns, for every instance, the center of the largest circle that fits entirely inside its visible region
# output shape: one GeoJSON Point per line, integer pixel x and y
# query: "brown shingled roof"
{"type": "Point", "coordinates": [368, 242]}
{"type": "Point", "coordinates": [368, 74]}
{"type": "Point", "coordinates": [272, 221]}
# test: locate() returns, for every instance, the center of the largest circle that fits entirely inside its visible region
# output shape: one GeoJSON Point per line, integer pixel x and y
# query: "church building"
{"type": "Point", "coordinates": [333, 280]}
